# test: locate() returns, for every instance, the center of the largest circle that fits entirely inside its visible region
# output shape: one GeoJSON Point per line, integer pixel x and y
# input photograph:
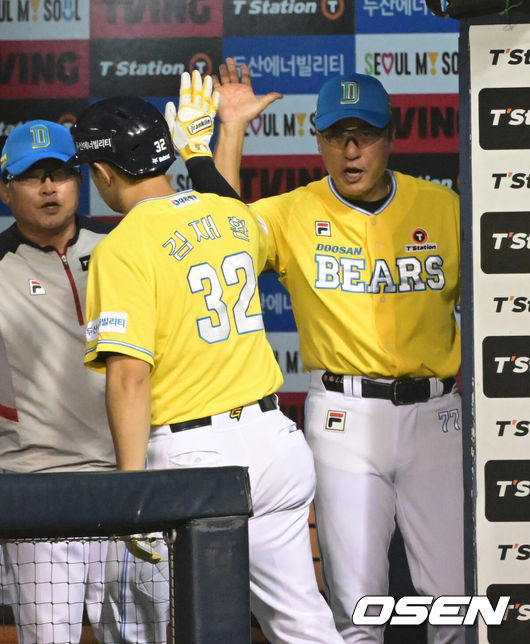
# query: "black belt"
{"type": "Point", "coordinates": [400, 392]}
{"type": "Point", "coordinates": [266, 404]}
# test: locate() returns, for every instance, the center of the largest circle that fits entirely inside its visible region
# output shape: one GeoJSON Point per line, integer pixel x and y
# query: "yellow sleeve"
{"type": "Point", "coordinates": [274, 212]}
{"type": "Point", "coordinates": [121, 302]}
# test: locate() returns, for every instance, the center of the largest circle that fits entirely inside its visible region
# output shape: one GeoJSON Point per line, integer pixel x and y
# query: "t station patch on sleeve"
{"type": "Point", "coordinates": [335, 420]}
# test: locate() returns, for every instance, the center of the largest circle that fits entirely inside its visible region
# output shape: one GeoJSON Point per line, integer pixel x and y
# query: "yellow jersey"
{"type": "Point", "coordinates": [372, 294]}
{"type": "Point", "coordinates": [174, 284]}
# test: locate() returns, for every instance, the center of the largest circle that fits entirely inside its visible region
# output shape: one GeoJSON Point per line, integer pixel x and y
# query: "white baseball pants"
{"type": "Point", "coordinates": [136, 600]}
{"type": "Point", "coordinates": [380, 464]}
{"type": "Point", "coordinates": [284, 594]}
{"type": "Point", "coordinates": [49, 584]}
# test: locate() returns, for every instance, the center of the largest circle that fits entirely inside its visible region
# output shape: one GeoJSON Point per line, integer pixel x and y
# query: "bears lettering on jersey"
{"type": "Point", "coordinates": [413, 274]}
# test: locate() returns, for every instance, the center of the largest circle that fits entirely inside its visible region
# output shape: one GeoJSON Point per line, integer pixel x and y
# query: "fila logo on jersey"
{"type": "Point", "coordinates": [36, 288]}
{"type": "Point", "coordinates": [323, 228]}
{"type": "Point", "coordinates": [335, 420]}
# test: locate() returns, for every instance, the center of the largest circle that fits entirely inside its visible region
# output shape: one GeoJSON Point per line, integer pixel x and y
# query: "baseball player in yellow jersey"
{"type": "Point", "coordinates": [370, 258]}
{"type": "Point", "coordinates": [175, 321]}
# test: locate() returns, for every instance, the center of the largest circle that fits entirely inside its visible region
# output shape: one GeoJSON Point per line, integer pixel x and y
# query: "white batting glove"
{"type": "Point", "coordinates": [141, 546]}
{"type": "Point", "coordinates": [192, 126]}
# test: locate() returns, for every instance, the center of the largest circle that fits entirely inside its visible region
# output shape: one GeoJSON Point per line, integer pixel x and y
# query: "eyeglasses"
{"type": "Point", "coordinates": [37, 176]}
{"type": "Point", "coordinates": [363, 137]}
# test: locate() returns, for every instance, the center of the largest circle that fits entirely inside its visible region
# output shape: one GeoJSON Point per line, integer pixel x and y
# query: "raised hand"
{"type": "Point", "coordinates": [192, 126]}
{"type": "Point", "coordinates": [238, 103]}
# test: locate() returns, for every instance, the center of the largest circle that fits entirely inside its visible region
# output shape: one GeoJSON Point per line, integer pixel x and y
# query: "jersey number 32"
{"type": "Point", "coordinates": [236, 271]}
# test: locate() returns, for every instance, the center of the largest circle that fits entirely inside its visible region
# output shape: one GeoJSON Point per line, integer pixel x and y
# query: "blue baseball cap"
{"type": "Point", "coordinates": [355, 95]}
{"type": "Point", "coordinates": [34, 141]}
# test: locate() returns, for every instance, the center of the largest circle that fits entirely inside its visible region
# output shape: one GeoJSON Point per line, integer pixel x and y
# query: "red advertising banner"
{"type": "Point", "coordinates": [271, 175]}
{"type": "Point", "coordinates": [156, 19]}
{"type": "Point", "coordinates": [37, 68]}
{"type": "Point", "coordinates": [425, 123]}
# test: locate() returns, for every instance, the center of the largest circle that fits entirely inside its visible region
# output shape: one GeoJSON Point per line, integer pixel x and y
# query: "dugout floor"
{"type": "Point", "coordinates": [8, 635]}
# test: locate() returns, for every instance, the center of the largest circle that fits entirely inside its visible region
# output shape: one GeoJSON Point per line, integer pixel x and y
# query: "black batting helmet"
{"type": "Point", "coordinates": [125, 131]}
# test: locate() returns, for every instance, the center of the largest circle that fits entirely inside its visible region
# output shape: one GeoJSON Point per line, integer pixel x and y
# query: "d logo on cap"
{"type": "Point", "coordinates": [41, 136]}
{"type": "Point", "coordinates": [350, 92]}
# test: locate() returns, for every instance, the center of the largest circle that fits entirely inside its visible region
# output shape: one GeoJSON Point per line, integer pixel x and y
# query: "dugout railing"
{"type": "Point", "coordinates": [204, 512]}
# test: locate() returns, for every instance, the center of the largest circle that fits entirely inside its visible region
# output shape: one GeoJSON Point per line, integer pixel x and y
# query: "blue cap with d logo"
{"type": "Point", "coordinates": [355, 95]}
{"type": "Point", "coordinates": [34, 141]}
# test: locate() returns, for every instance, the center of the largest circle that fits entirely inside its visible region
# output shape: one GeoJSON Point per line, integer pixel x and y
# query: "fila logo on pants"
{"type": "Point", "coordinates": [335, 420]}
